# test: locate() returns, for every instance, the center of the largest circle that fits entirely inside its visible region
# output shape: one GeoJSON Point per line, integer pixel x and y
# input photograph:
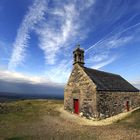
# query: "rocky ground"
{"type": "Point", "coordinates": [46, 120]}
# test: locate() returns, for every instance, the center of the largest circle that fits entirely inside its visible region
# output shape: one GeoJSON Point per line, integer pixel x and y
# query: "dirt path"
{"type": "Point", "coordinates": [83, 121]}
{"type": "Point", "coordinates": [103, 129]}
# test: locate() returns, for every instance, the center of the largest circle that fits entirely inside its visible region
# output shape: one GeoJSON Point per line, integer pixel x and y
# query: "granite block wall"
{"type": "Point", "coordinates": [113, 103]}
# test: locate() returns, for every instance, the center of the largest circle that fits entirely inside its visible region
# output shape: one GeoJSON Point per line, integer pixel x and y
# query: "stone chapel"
{"type": "Point", "coordinates": [97, 94]}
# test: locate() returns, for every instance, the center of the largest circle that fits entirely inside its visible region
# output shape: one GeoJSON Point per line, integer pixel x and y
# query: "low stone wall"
{"type": "Point", "coordinates": [113, 103]}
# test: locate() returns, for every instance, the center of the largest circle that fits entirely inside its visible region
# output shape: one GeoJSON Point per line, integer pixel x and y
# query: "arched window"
{"type": "Point", "coordinates": [75, 57]}
{"type": "Point", "coordinates": [80, 58]}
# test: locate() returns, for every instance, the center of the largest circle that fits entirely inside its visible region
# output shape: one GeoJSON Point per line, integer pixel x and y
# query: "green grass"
{"type": "Point", "coordinates": [39, 119]}
{"type": "Point", "coordinates": [133, 120]}
{"type": "Point", "coordinates": [29, 110]}
{"type": "Point", "coordinates": [15, 120]}
{"type": "Point", "coordinates": [27, 123]}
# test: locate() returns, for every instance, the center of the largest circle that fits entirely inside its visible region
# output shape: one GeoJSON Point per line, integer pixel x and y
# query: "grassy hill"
{"type": "Point", "coordinates": [41, 120]}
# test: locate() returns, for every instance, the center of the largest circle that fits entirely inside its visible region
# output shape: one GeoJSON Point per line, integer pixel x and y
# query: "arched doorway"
{"type": "Point", "coordinates": [127, 105]}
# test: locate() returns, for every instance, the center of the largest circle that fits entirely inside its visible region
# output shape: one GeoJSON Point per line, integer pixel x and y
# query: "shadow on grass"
{"type": "Point", "coordinates": [16, 138]}
{"type": "Point", "coordinates": [55, 137]}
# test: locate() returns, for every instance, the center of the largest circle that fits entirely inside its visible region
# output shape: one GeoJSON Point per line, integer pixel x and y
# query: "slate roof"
{"type": "Point", "coordinates": [109, 82]}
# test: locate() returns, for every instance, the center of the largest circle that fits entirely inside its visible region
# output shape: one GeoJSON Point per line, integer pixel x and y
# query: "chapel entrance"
{"type": "Point", "coordinates": [127, 105]}
{"type": "Point", "coordinates": [76, 106]}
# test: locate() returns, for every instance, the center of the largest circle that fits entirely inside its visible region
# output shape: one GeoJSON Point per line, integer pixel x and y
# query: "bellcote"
{"type": "Point", "coordinates": [78, 56]}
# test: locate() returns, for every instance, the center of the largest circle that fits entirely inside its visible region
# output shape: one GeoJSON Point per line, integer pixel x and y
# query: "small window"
{"type": "Point", "coordinates": [127, 105]}
{"type": "Point", "coordinates": [80, 58]}
{"type": "Point", "coordinates": [75, 57]}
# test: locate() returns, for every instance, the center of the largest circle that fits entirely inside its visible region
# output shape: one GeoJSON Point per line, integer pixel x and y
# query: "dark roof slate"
{"type": "Point", "coordinates": [109, 82]}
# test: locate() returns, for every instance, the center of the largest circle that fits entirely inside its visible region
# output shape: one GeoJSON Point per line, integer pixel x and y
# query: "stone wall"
{"type": "Point", "coordinates": [113, 103]}
{"type": "Point", "coordinates": [92, 103]}
{"type": "Point", "coordinates": [80, 87]}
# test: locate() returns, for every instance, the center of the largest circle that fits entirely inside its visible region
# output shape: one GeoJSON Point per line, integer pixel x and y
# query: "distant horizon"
{"type": "Point", "coordinates": [8, 89]}
{"type": "Point", "coordinates": [38, 37]}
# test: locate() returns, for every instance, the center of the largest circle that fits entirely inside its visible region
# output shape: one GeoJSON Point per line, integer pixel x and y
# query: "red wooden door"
{"type": "Point", "coordinates": [127, 105]}
{"type": "Point", "coordinates": [76, 106]}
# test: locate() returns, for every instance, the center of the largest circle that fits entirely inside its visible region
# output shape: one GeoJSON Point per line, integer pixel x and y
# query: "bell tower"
{"type": "Point", "coordinates": [78, 56]}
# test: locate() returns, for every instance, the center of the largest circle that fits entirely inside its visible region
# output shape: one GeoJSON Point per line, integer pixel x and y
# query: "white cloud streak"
{"type": "Point", "coordinates": [33, 16]}
{"type": "Point", "coordinates": [63, 23]}
{"type": "Point", "coordinates": [63, 27]}
{"type": "Point", "coordinates": [136, 83]}
{"type": "Point", "coordinates": [55, 27]}
{"type": "Point", "coordinates": [59, 73]}
{"type": "Point", "coordinates": [103, 47]}
{"type": "Point", "coordinates": [103, 63]}
{"type": "Point", "coordinates": [53, 38]}
{"type": "Point", "coordinates": [114, 38]}
{"type": "Point", "coordinates": [56, 33]}
{"type": "Point", "coordinates": [17, 77]}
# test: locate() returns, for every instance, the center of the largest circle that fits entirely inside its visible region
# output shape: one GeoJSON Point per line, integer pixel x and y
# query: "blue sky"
{"type": "Point", "coordinates": [37, 38]}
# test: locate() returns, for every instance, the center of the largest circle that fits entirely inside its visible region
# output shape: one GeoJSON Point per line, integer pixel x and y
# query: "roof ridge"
{"type": "Point", "coordinates": [103, 71]}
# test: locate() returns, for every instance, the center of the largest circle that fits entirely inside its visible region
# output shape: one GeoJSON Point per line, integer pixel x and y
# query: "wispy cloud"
{"type": "Point", "coordinates": [136, 83]}
{"type": "Point", "coordinates": [103, 63]}
{"type": "Point", "coordinates": [102, 48]}
{"type": "Point", "coordinates": [32, 17]}
{"type": "Point", "coordinates": [13, 83]}
{"type": "Point", "coordinates": [52, 37]}
{"type": "Point", "coordinates": [57, 27]}
{"type": "Point", "coordinates": [59, 73]}
{"type": "Point", "coordinates": [115, 35]}
{"type": "Point", "coordinates": [17, 77]}
{"type": "Point", "coordinates": [124, 31]}
{"type": "Point", "coordinates": [4, 51]}
{"type": "Point", "coordinates": [62, 27]}
{"type": "Point", "coordinates": [70, 22]}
